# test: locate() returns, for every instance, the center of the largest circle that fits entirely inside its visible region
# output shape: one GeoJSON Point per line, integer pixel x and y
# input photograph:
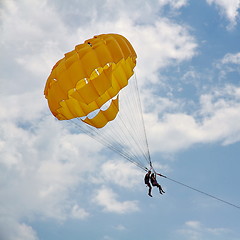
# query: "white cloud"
{"type": "Point", "coordinates": [195, 230]}
{"type": "Point", "coordinates": [26, 232]}
{"type": "Point", "coordinates": [106, 198]}
{"type": "Point", "coordinates": [40, 167]}
{"type": "Point", "coordinates": [106, 237]}
{"type": "Point", "coordinates": [79, 213]}
{"type": "Point", "coordinates": [161, 44]}
{"type": "Point", "coordinates": [230, 63]}
{"type": "Point", "coordinates": [31, 37]}
{"type": "Point", "coordinates": [120, 227]}
{"type": "Point", "coordinates": [231, 58]}
{"type": "Point", "coordinates": [173, 3]}
{"type": "Point", "coordinates": [12, 230]}
{"type": "Point", "coordinates": [24, 107]}
{"type": "Point", "coordinates": [228, 8]}
{"type": "Point", "coordinates": [217, 120]}
{"type": "Point", "coordinates": [121, 173]}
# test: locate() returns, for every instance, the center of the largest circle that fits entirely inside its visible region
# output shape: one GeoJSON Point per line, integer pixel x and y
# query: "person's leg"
{"type": "Point", "coordinates": [160, 189]}
{"type": "Point", "coordinates": [149, 190]}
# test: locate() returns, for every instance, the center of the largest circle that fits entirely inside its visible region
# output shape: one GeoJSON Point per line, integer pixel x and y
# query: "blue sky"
{"type": "Point", "coordinates": [57, 184]}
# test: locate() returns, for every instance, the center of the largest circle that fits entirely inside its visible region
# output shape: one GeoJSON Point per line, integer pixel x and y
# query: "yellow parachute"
{"type": "Point", "coordinates": [93, 87]}
{"type": "Point", "coordinates": [89, 76]}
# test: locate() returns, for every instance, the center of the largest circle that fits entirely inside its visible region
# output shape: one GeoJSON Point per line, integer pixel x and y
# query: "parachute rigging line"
{"type": "Point", "coordinates": [142, 120]}
{"type": "Point", "coordinates": [204, 193]}
{"type": "Point", "coordinates": [105, 143]}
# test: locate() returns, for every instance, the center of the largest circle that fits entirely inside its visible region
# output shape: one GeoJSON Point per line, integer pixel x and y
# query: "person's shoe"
{"type": "Point", "coordinates": [150, 195]}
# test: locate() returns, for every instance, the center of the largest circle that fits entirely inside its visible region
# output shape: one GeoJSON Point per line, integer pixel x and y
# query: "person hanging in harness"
{"type": "Point", "coordinates": [155, 183]}
{"type": "Point", "coordinates": [147, 182]}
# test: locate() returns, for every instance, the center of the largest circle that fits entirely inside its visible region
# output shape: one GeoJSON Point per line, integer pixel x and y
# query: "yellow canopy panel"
{"type": "Point", "coordinates": [103, 117]}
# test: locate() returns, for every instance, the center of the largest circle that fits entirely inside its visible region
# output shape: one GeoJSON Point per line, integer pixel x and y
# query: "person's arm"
{"type": "Point", "coordinates": [161, 175]}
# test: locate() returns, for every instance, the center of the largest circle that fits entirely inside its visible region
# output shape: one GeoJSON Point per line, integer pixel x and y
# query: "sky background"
{"type": "Point", "coordinates": [56, 184]}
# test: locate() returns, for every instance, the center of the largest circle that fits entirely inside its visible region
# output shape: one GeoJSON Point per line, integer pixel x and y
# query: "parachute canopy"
{"type": "Point", "coordinates": [93, 88]}
{"type": "Point", "coordinates": [86, 82]}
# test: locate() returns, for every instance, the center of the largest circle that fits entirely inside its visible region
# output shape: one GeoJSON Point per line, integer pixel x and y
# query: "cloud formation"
{"type": "Point", "coordinates": [229, 9]}
{"type": "Point", "coordinates": [231, 58]}
{"type": "Point", "coordinates": [195, 230]}
{"type": "Point", "coordinates": [120, 172]}
{"type": "Point", "coordinates": [106, 198]}
{"type": "Point", "coordinates": [216, 120]}
{"type": "Point", "coordinates": [11, 229]}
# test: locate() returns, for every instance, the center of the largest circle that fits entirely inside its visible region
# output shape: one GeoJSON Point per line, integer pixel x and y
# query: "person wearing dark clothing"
{"type": "Point", "coordinates": [147, 182]}
{"type": "Point", "coordinates": [155, 183]}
